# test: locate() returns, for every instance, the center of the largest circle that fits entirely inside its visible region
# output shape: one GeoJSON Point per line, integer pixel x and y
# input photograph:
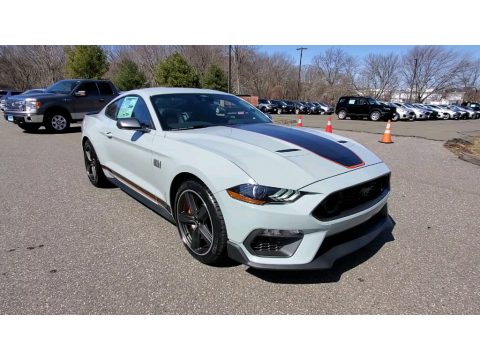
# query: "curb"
{"type": "Point", "coordinates": [470, 158]}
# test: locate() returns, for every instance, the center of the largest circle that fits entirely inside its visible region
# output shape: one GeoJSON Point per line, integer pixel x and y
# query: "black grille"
{"type": "Point", "coordinates": [352, 199]}
{"type": "Point", "coordinates": [261, 244]}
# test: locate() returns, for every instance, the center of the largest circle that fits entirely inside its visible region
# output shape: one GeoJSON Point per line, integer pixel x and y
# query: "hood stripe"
{"type": "Point", "coordinates": [326, 148]}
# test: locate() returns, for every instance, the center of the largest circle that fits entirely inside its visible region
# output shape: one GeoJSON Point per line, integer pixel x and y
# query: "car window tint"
{"type": "Point", "coordinates": [351, 102]}
{"type": "Point", "coordinates": [105, 88]}
{"type": "Point", "coordinates": [90, 88]}
{"type": "Point", "coordinates": [111, 110]}
{"type": "Point", "coordinates": [361, 102]}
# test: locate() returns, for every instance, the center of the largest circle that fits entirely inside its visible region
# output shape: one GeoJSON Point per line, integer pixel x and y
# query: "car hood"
{"type": "Point", "coordinates": [280, 156]}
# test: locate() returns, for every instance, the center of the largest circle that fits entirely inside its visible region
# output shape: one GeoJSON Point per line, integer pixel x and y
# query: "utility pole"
{"type": "Point", "coordinates": [299, 71]}
{"type": "Point", "coordinates": [229, 68]}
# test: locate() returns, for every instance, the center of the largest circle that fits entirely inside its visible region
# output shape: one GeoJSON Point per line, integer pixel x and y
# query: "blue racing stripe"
{"type": "Point", "coordinates": [321, 146]}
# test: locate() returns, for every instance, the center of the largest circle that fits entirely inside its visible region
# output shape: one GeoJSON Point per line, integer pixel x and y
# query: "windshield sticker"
{"type": "Point", "coordinates": [126, 109]}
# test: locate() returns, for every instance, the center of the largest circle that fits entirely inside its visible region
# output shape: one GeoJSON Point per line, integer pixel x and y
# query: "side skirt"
{"type": "Point", "coordinates": [159, 207]}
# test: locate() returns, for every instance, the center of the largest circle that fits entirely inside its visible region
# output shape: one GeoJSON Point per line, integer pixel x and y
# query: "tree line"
{"type": "Point", "coordinates": [421, 71]}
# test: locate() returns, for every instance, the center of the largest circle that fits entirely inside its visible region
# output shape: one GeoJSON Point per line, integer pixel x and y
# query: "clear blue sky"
{"type": "Point", "coordinates": [354, 50]}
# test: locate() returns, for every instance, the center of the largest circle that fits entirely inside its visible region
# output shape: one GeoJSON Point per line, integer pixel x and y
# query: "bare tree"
{"type": "Point", "coordinates": [379, 75]}
{"type": "Point", "coordinates": [429, 69]}
{"type": "Point", "coordinates": [335, 67]}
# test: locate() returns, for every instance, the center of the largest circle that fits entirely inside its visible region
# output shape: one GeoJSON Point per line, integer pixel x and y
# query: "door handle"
{"type": "Point", "coordinates": [108, 134]}
{"type": "Point", "coordinates": [101, 100]}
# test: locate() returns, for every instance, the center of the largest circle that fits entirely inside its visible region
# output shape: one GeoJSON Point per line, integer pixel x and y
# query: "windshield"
{"type": "Point", "coordinates": [191, 111]}
{"type": "Point", "coordinates": [63, 87]}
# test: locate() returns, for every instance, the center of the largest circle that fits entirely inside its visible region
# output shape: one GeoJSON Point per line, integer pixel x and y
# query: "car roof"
{"type": "Point", "coordinates": [147, 92]}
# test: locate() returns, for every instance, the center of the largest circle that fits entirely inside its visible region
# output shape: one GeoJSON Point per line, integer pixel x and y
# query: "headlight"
{"type": "Point", "coordinates": [260, 195]}
{"type": "Point", "coordinates": [32, 105]}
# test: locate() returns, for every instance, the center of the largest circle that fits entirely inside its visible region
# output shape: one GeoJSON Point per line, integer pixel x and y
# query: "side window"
{"type": "Point", "coordinates": [361, 102]}
{"type": "Point", "coordinates": [111, 110]}
{"type": "Point", "coordinates": [89, 87]}
{"type": "Point", "coordinates": [105, 88]}
{"type": "Point", "coordinates": [134, 107]}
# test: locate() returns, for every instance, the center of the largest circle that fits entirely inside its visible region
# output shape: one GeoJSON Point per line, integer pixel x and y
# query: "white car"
{"type": "Point", "coordinates": [234, 183]}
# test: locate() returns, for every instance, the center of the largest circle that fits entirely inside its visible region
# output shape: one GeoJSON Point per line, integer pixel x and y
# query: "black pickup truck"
{"type": "Point", "coordinates": [64, 102]}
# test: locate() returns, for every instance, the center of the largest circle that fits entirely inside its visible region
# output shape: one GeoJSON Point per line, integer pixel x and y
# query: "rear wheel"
{"type": "Point", "coordinates": [446, 116]}
{"type": "Point", "coordinates": [200, 223]}
{"type": "Point", "coordinates": [29, 127]}
{"type": "Point", "coordinates": [342, 114]}
{"type": "Point", "coordinates": [92, 166]}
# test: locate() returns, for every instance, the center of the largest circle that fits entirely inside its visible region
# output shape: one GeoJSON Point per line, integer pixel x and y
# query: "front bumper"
{"type": "Point", "coordinates": [243, 219]}
{"type": "Point", "coordinates": [23, 117]}
{"type": "Point", "coordinates": [332, 249]}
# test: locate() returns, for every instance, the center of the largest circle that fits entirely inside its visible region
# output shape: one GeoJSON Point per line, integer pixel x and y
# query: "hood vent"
{"type": "Point", "coordinates": [287, 150]}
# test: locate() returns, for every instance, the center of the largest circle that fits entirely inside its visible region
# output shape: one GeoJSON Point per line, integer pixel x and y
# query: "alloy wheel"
{"type": "Point", "coordinates": [194, 222]}
{"type": "Point", "coordinates": [59, 123]}
{"type": "Point", "coordinates": [90, 162]}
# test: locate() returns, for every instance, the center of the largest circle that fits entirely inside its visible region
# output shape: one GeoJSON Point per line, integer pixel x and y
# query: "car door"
{"type": "Point", "coordinates": [363, 107]}
{"type": "Point", "coordinates": [129, 152]}
{"type": "Point", "coordinates": [87, 99]}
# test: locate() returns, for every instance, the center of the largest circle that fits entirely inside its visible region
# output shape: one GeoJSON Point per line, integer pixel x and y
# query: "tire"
{"type": "Point", "coordinates": [375, 115]}
{"type": "Point", "coordinates": [93, 168]}
{"type": "Point", "coordinates": [29, 128]}
{"type": "Point", "coordinates": [447, 117]}
{"type": "Point", "coordinates": [342, 114]}
{"type": "Point", "coordinates": [203, 232]}
{"type": "Point", "coordinates": [395, 117]}
{"type": "Point", "coordinates": [297, 111]}
{"type": "Point", "coordinates": [57, 121]}
{"type": "Point", "coordinates": [279, 111]}
{"type": "Point", "coordinates": [413, 118]}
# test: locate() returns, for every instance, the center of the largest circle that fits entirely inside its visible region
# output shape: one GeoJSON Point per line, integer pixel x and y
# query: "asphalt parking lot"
{"type": "Point", "coordinates": [69, 248]}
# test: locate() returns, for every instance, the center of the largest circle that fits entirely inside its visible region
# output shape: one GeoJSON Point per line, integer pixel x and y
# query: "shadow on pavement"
{"type": "Point", "coordinates": [70, 130]}
{"type": "Point", "coordinates": [325, 276]}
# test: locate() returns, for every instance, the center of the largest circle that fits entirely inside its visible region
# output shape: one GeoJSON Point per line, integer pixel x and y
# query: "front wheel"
{"type": "Point", "coordinates": [200, 223]}
{"type": "Point", "coordinates": [279, 111]}
{"type": "Point", "coordinates": [29, 128]}
{"type": "Point", "coordinates": [57, 122]}
{"type": "Point", "coordinates": [375, 115]}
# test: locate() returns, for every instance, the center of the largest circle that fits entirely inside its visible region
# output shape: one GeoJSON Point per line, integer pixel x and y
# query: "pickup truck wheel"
{"type": "Point", "coordinates": [29, 127]}
{"type": "Point", "coordinates": [57, 122]}
{"type": "Point", "coordinates": [200, 223]}
{"type": "Point", "coordinates": [92, 166]}
{"type": "Point", "coordinates": [375, 115]}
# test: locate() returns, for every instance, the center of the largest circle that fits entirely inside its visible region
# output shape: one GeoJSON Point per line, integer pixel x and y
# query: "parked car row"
{"type": "Point", "coordinates": [293, 107]}
{"type": "Point", "coordinates": [359, 107]}
{"type": "Point", "coordinates": [408, 111]}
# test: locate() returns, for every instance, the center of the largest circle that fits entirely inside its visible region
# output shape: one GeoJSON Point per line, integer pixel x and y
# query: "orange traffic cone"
{"type": "Point", "coordinates": [329, 125]}
{"type": "Point", "coordinates": [299, 122]}
{"type": "Point", "coordinates": [387, 137]}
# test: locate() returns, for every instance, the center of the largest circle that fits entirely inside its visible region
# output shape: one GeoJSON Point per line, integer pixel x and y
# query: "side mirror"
{"type": "Point", "coordinates": [80, 93]}
{"type": "Point", "coordinates": [131, 124]}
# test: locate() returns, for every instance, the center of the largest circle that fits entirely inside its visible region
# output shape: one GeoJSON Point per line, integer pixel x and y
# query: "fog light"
{"type": "Point", "coordinates": [273, 242]}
